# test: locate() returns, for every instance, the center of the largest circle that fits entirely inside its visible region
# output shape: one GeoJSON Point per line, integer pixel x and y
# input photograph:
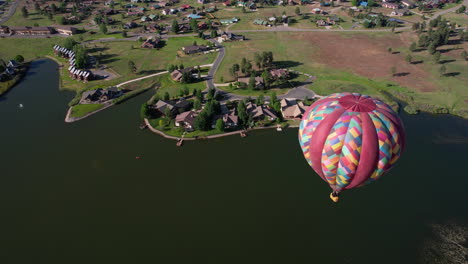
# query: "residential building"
{"type": "Point", "coordinates": [279, 73]}
{"type": "Point", "coordinates": [228, 36]}
{"type": "Point", "coordinates": [159, 108]}
{"type": "Point", "coordinates": [390, 5]}
{"type": "Point", "coordinates": [402, 12]}
{"type": "Point", "coordinates": [151, 43]}
{"type": "Point", "coordinates": [194, 49]}
{"type": "Point", "coordinates": [177, 75]}
{"type": "Point", "coordinates": [66, 30]}
{"type": "Point", "coordinates": [4, 30]}
{"type": "Point", "coordinates": [407, 3]}
{"type": "Point", "coordinates": [292, 109]}
{"type": "Point", "coordinates": [259, 83]}
{"type": "Point", "coordinates": [186, 120]}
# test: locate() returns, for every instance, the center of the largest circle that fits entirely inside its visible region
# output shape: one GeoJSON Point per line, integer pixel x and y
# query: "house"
{"type": "Point", "coordinates": [260, 112]}
{"type": "Point", "coordinates": [108, 3]}
{"type": "Point", "coordinates": [230, 120]}
{"type": "Point", "coordinates": [144, 19]}
{"type": "Point", "coordinates": [134, 13]}
{"type": "Point", "coordinates": [186, 7]}
{"type": "Point", "coordinates": [333, 20]}
{"type": "Point", "coordinates": [202, 25]}
{"type": "Point", "coordinates": [177, 75]}
{"type": "Point", "coordinates": [229, 21]}
{"type": "Point", "coordinates": [279, 73]}
{"type": "Point", "coordinates": [20, 30]}
{"type": "Point", "coordinates": [159, 108]}
{"type": "Point", "coordinates": [130, 25]}
{"type": "Point", "coordinates": [403, 12]}
{"type": "Point", "coordinates": [292, 109]}
{"type": "Point", "coordinates": [183, 28]}
{"type": "Point", "coordinates": [66, 30]}
{"type": "Point", "coordinates": [153, 17]}
{"type": "Point", "coordinates": [100, 95]}
{"type": "Point", "coordinates": [321, 23]}
{"type": "Point", "coordinates": [194, 49]}
{"type": "Point", "coordinates": [194, 16]}
{"type": "Point", "coordinates": [153, 28]}
{"type": "Point", "coordinates": [306, 2]}
{"type": "Point", "coordinates": [135, 1]}
{"type": "Point", "coordinates": [210, 10]}
{"type": "Point", "coordinates": [166, 12]}
{"type": "Point", "coordinates": [156, 6]}
{"type": "Point", "coordinates": [407, 3]}
{"type": "Point", "coordinates": [230, 37]}
{"type": "Point", "coordinates": [4, 30]}
{"type": "Point", "coordinates": [151, 43]}
{"type": "Point", "coordinates": [252, 6]}
{"type": "Point", "coordinates": [186, 120]}
{"type": "Point", "coordinates": [316, 11]}
{"type": "Point", "coordinates": [227, 3]}
{"type": "Point", "coordinates": [390, 5]}
{"type": "Point", "coordinates": [259, 83]}
{"type": "Point", "coordinates": [202, 1]}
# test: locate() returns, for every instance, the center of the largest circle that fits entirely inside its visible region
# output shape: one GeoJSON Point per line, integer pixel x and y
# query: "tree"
{"type": "Point", "coordinates": [19, 58]}
{"type": "Point", "coordinates": [370, 3]}
{"type": "Point", "coordinates": [393, 70]}
{"type": "Point", "coordinates": [354, 2]}
{"type": "Point", "coordinates": [69, 43]}
{"type": "Point", "coordinates": [297, 11]}
{"type": "Point", "coordinates": [267, 78]}
{"type": "Point", "coordinates": [260, 100]}
{"type": "Point", "coordinates": [242, 113]}
{"type": "Point", "coordinates": [24, 12]}
{"type": "Point", "coordinates": [37, 7]}
{"type": "Point", "coordinates": [409, 59]}
{"type": "Point", "coordinates": [437, 57]}
{"type": "Point", "coordinates": [168, 113]}
{"type": "Point", "coordinates": [413, 47]}
{"type": "Point", "coordinates": [175, 26]}
{"type": "Point", "coordinates": [103, 28]}
{"type": "Point", "coordinates": [442, 70]}
{"type": "Point", "coordinates": [243, 65]}
{"type": "Point", "coordinates": [166, 96]}
{"type": "Point", "coordinates": [197, 105]}
{"type": "Point", "coordinates": [124, 34]}
{"type": "Point", "coordinates": [390, 50]}
{"type": "Point", "coordinates": [80, 56]}
{"type": "Point", "coordinates": [258, 60]}
{"type": "Point", "coordinates": [213, 34]}
{"type": "Point", "coordinates": [431, 48]}
{"type": "Point", "coordinates": [464, 55]}
{"type": "Point", "coordinates": [251, 84]}
{"type": "Point", "coordinates": [194, 25]}
{"type": "Point", "coordinates": [131, 66]}
{"type": "Point", "coordinates": [53, 8]}
{"type": "Point", "coordinates": [220, 124]}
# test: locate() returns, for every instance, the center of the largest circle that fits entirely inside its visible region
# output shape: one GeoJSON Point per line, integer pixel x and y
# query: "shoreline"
{"type": "Point", "coordinates": [70, 119]}
{"type": "Point", "coordinates": [226, 134]}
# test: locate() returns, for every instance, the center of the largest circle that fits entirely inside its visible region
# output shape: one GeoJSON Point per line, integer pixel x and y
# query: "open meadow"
{"type": "Point", "coordinates": [361, 62]}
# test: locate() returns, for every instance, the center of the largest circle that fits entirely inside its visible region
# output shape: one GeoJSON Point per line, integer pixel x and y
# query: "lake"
{"type": "Point", "coordinates": [75, 193]}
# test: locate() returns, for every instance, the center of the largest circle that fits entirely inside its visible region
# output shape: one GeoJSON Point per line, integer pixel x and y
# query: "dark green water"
{"type": "Point", "coordinates": [74, 193]}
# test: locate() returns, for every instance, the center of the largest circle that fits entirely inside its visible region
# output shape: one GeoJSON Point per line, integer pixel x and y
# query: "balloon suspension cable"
{"type": "Point", "coordinates": [334, 196]}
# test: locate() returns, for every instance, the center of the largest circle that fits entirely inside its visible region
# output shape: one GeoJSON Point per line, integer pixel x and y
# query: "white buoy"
{"type": "Point", "coordinates": [21, 105]}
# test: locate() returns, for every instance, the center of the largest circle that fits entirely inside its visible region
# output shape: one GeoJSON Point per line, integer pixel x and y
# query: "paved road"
{"type": "Point", "coordinates": [443, 12]}
{"type": "Point", "coordinates": [10, 12]}
{"type": "Point", "coordinates": [216, 63]}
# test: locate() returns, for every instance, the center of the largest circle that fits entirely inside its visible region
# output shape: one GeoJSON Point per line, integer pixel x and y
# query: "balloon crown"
{"type": "Point", "coordinates": [357, 103]}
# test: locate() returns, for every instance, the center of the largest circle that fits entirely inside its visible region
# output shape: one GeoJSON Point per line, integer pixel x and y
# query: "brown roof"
{"type": "Point", "coordinates": [186, 117]}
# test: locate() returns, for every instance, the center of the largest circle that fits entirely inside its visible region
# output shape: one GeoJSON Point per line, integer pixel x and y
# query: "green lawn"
{"type": "Point", "coordinates": [31, 49]}
{"type": "Point", "coordinates": [291, 53]}
{"type": "Point", "coordinates": [83, 109]}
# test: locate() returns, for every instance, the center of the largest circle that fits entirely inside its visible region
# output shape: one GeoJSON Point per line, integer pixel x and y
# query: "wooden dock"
{"type": "Point", "coordinates": [180, 141]}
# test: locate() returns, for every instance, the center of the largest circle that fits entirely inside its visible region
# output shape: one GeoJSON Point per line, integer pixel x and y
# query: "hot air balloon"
{"type": "Point", "coordinates": [350, 140]}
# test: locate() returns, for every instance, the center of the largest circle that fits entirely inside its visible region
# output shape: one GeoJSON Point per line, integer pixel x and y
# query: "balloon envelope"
{"type": "Point", "coordinates": [351, 139]}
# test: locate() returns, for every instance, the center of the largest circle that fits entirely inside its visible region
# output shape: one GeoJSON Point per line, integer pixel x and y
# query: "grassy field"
{"type": "Point", "coordinates": [363, 69]}
{"type": "Point", "coordinates": [30, 49]}
{"type": "Point", "coordinates": [460, 19]}
{"type": "Point", "coordinates": [82, 110]}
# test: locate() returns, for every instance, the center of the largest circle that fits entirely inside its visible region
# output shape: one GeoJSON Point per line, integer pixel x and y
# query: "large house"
{"type": "Point", "coordinates": [259, 83]}
{"type": "Point", "coordinates": [159, 108]}
{"type": "Point", "coordinates": [4, 30]}
{"type": "Point", "coordinates": [260, 112]}
{"type": "Point", "coordinates": [66, 30]}
{"type": "Point", "coordinates": [100, 95]}
{"type": "Point", "coordinates": [407, 3]}
{"type": "Point", "coordinates": [186, 120]}
{"type": "Point", "coordinates": [194, 49]}
{"type": "Point", "coordinates": [403, 12]}
{"type": "Point", "coordinates": [177, 75]}
{"type": "Point", "coordinates": [279, 73]}
{"type": "Point", "coordinates": [151, 43]}
{"type": "Point", "coordinates": [230, 120]}
{"type": "Point", "coordinates": [292, 109]}
{"type": "Point", "coordinates": [228, 36]}
{"type": "Point", "coordinates": [390, 5]}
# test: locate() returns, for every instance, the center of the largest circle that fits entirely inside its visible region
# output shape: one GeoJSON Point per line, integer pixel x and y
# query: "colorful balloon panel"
{"type": "Point", "coordinates": [350, 139]}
